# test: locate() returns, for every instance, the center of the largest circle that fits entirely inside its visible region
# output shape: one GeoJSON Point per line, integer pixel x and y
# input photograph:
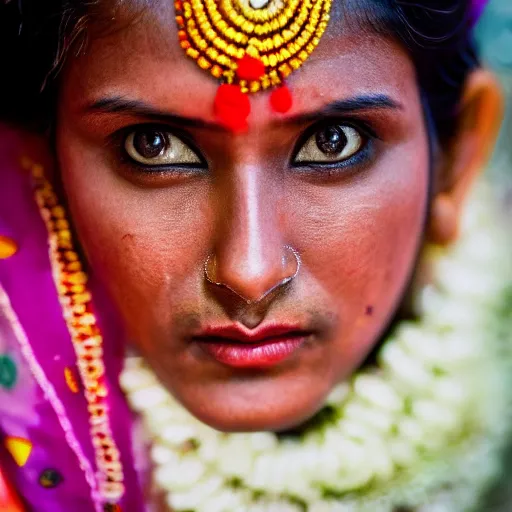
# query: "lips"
{"type": "Point", "coordinates": [243, 348]}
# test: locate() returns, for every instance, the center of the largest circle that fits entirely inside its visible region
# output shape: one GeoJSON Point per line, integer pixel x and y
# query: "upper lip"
{"type": "Point", "coordinates": [240, 334]}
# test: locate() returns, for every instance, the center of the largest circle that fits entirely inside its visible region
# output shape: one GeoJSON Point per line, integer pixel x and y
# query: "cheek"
{"type": "Point", "coordinates": [360, 243]}
{"type": "Point", "coordinates": [132, 237]}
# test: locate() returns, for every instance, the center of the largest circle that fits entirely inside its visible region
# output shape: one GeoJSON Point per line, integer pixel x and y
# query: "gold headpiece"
{"type": "Point", "coordinates": [250, 45]}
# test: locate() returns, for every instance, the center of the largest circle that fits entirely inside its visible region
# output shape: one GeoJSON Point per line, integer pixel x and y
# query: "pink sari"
{"type": "Point", "coordinates": [46, 449]}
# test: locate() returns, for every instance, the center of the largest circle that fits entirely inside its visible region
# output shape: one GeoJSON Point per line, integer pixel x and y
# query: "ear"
{"type": "Point", "coordinates": [480, 117]}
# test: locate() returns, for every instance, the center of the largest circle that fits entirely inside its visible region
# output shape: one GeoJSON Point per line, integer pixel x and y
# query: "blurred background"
{"type": "Point", "coordinates": [494, 34]}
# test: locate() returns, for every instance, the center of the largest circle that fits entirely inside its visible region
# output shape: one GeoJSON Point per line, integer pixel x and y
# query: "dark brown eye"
{"type": "Point", "coordinates": [159, 148]}
{"type": "Point", "coordinates": [149, 144]}
{"type": "Point", "coordinates": [330, 144]}
{"type": "Point", "coordinates": [331, 140]}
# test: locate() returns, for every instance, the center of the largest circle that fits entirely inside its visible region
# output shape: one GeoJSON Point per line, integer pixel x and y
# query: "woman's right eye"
{"type": "Point", "coordinates": [156, 147]}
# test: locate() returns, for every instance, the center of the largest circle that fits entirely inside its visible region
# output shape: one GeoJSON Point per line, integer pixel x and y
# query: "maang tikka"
{"type": "Point", "coordinates": [250, 46]}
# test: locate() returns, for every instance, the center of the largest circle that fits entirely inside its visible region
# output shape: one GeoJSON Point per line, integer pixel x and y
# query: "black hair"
{"type": "Point", "coordinates": [37, 35]}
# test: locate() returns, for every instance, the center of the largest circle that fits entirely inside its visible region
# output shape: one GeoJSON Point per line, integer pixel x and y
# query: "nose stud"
{"type": "Point", "coordinates": [290, 266]}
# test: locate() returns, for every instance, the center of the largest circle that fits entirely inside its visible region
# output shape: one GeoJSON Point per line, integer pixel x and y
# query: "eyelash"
{"type": "Point", "coordinates": [360, 159]}
{"type": "Point", "coordinates": [346, 167]}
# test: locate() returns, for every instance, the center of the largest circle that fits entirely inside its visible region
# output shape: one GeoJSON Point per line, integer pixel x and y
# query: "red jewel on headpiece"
{"type": "Point", "coordinates": [281, 99]}
{"type": "Point", "coordinates": [232, 107]}
{"type": "Point", "coordinates": [250, 68]}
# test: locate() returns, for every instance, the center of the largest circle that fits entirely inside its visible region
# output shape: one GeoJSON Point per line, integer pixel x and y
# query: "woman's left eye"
{"type": "Point", "coordinates": [333, 143]}
{"type": "Point", "coordinates": [158, 147]}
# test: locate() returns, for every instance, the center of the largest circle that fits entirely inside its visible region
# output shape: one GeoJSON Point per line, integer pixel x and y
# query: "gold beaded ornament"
{"type": "Point", "coordinates": [250, 46]}
{"type": "Point", "coordinates": [76, 301]}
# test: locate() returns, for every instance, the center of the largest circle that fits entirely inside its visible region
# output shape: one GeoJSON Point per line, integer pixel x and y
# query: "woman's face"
{"type": "Point", "coordinates": [156, 187]}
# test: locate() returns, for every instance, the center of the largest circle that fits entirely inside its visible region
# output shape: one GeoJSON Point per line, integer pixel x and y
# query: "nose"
{"type": "Point", "coordinates": [251, 257]}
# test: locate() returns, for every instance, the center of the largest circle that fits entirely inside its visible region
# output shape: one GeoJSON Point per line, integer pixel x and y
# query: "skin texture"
{"type": "Point", "coordinates": [357, 228]}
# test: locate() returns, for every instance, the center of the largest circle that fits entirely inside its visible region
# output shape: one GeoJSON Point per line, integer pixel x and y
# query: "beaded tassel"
{"type": "Point", "coordinates": [76, 301]}
{"type": "Point", "coordinates": [251, 45]}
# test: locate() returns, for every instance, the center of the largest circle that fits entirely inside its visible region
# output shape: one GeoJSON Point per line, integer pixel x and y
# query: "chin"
{"type": "Point", "coordinates": [255, 420]}
{"type": "Point", "coordinates": [234, 411]}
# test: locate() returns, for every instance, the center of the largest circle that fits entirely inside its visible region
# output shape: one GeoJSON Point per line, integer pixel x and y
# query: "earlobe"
{"type": "Point", "coordinates": [444, 220]}
{"type": "Point", "coordinates": [478, 125]}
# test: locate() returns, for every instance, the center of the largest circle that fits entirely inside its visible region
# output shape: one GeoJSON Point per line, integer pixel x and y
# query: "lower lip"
{"type": "Point", "coordinates": [253, 355]}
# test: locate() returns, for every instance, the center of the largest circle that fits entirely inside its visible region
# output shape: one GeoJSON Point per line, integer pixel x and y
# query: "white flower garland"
{"type": "Point", "coordinates": [422, 429]}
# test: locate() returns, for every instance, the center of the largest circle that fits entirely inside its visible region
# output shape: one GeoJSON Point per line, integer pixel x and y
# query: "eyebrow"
{"type": "Point", "coordinates": [122, 105]}
{"type": "Point", "coordinates": [348, 106]}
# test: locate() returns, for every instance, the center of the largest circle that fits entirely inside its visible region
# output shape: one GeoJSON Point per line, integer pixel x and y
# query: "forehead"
{"type": "Point", "coordinates": [139, 57]}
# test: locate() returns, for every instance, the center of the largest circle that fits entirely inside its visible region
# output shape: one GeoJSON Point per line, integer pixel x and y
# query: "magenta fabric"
{"type": "Point", "coordinates": [478, 7]}
{"type": "Point", "coordinates": [41, 407]}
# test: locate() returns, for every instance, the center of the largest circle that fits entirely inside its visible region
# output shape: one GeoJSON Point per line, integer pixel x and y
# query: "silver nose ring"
{"type": "Point", "coordinates": [208, 275]}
